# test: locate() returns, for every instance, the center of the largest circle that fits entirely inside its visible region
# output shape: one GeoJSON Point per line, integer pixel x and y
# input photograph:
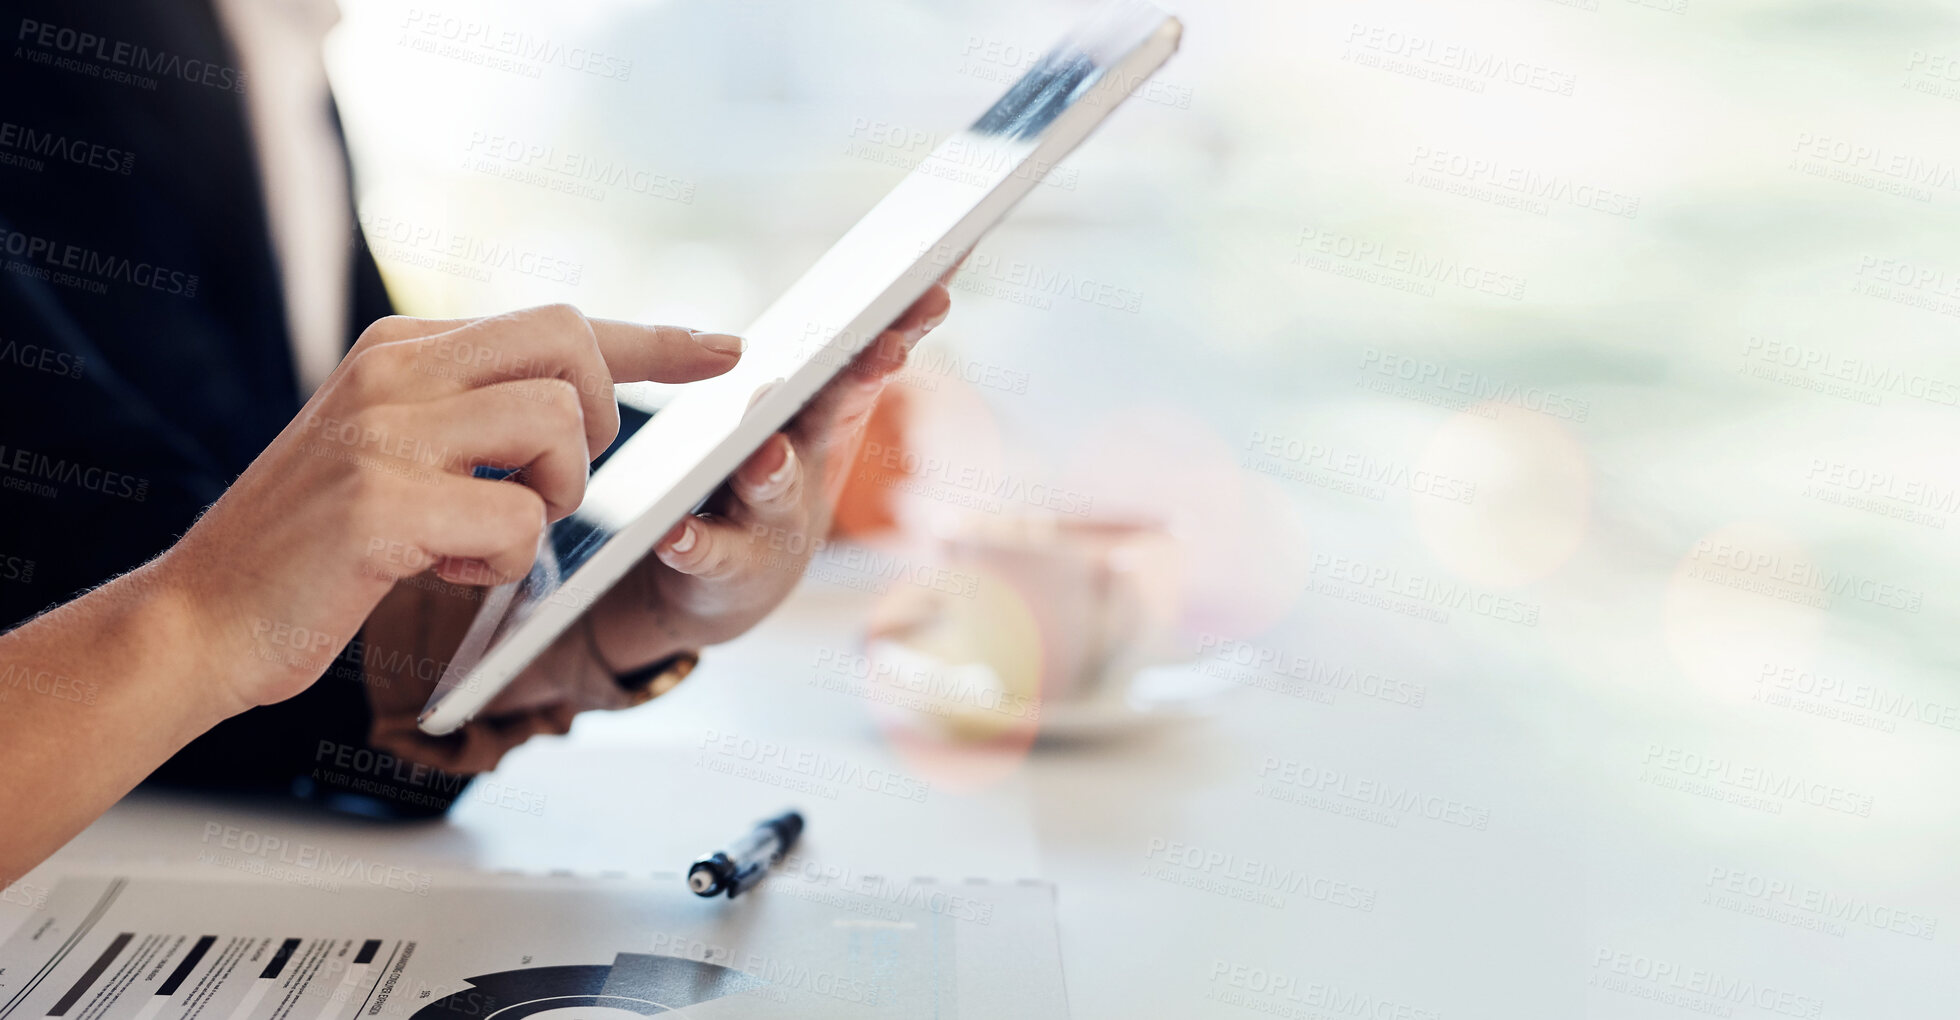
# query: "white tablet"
{"type": "Point", "coordinates": [908, 240]}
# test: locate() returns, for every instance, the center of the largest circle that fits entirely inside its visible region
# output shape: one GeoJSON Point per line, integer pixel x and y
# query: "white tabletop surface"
{"type": "Point", "coordinates": [1584, 867]}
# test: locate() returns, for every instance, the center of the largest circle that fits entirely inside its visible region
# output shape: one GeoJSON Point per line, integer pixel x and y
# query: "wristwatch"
{"type": "Point", "coordinates": [649, 681]}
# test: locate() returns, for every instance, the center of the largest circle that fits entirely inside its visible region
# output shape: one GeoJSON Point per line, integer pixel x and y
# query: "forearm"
{"type": "Point", "coordinates": [94, 695]}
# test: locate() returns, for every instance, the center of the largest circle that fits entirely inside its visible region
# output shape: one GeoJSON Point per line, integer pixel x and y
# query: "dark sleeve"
{"type": "Point", "coordinates": [144, 360]}
{"type": "Point", "coordinates": [95, 480]}
{"type": "Point", "coordinates": [314, 747]}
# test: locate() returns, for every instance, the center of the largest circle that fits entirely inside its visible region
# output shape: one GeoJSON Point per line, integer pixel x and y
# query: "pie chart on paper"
{"type": "Point", "coordinates": [634, 985]}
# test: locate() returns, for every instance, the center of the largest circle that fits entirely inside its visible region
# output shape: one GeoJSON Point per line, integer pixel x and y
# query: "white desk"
{"type": "Point", "coordinates": [1580, 854]}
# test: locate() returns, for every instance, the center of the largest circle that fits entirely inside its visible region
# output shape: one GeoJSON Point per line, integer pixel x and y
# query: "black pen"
{"type": "Point", "coordinates": [744, 863]}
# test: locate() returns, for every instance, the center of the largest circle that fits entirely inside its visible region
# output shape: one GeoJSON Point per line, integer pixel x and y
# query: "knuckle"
{"type": "Point", "coordinates": [387, 329]}
{"type": "Point", "coordinates": [561, 319]}
{"type": "Point", "coordinates": [719, 561]}
{"type": "Point", "coordinates": [562, 491]}
{"type": "Point", "coordinates": [596, 383]}
{"type": "Point", "coordinates": [559, 401]}
{"type": "Point", "coordinates": [373, 371]}
{"type": "Point", "coordinates": [520, 517]}
{"type": "Point", "coordinates": [606, 428]}
{"type": "Point", "coordinates": [360, 370]}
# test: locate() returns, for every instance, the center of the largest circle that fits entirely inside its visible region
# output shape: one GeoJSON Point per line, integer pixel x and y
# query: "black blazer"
{"type": "Point", "coordinates": [144, 357]}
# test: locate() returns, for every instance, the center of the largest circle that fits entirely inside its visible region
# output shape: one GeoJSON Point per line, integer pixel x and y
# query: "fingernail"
{"type": "Point", "coordinates": [722, 343]}
{"type": "Point", "coordinates": [780, 477]}
{"type": "Point", "coordinates": [686, 541]}
{"type": "Point", "coordinates": [933, 323]}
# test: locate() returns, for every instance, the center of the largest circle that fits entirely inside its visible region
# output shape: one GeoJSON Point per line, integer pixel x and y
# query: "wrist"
{"type": "Point", "coordinates": [162, 614]}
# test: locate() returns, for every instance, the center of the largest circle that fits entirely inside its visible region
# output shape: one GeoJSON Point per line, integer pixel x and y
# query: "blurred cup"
{"type": "Point", "coordinates": [1103, 595]}
{"type": "Point", "coordinates": [1046, 614]}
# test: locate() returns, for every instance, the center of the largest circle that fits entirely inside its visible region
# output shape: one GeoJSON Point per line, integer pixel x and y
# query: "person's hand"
{"type": "Point", "coordinates": [710, 578]}
{"type": "Point", "coordinates": [373, 481]}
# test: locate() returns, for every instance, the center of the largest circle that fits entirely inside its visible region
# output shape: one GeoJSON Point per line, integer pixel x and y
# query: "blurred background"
{"type": "Point", "coordinates": [1551, 405]}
